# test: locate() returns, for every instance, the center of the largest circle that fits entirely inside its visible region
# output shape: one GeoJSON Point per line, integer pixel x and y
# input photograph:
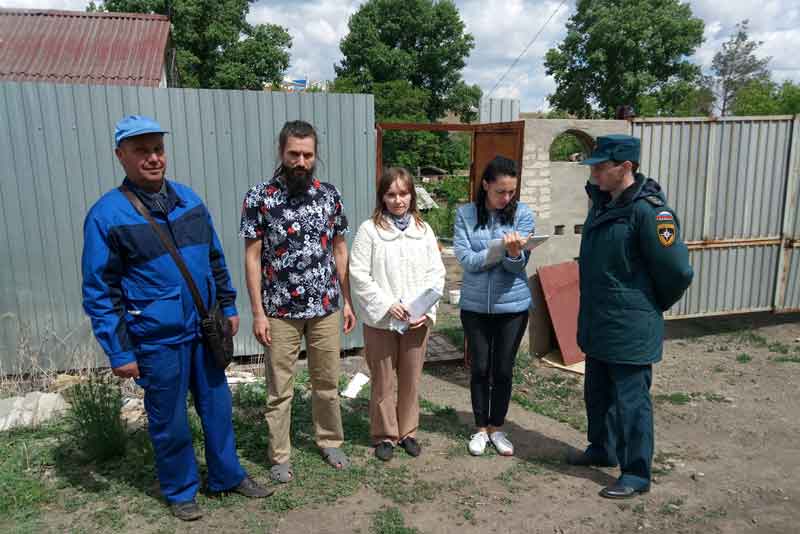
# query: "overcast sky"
{"type": "Point", "coordinates": [502, 29]}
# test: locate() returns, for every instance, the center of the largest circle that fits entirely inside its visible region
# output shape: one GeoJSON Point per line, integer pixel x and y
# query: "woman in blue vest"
{"type": "Point", "coordinates": [495, 297]}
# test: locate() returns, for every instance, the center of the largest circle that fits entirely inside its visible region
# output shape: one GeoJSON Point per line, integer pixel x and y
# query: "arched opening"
{"type": "Point", "coordinates": [571, 146]}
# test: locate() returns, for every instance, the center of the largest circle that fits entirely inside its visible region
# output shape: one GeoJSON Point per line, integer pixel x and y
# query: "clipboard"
{"type": "Point", "coordinates": [496, 251]}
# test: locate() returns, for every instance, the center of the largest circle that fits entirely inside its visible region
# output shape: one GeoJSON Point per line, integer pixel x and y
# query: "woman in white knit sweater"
{"type": "Point", "coordinates": [395, 258]}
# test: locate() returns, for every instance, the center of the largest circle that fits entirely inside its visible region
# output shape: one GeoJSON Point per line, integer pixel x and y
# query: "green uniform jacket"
{"type": "Point", "coordinates": [634, 265]}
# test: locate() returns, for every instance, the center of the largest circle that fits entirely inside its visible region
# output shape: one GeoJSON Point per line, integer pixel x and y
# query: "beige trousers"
{"type": "Point", "coordinates": [322, 348]}
{"type": "Point", "coordinates": [395, 366]}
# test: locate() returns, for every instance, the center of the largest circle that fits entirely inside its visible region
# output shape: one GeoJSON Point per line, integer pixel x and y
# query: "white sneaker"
{"type": "Point", "coordinates": [501, 443]}
{"type": "Point", "coordinates": [477, 443]}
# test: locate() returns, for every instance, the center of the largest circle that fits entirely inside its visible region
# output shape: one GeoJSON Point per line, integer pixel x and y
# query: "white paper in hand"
{"type": "Point", "coordinates": [497, 250]}
{"type": "Point", "coordinates": [417, 309]}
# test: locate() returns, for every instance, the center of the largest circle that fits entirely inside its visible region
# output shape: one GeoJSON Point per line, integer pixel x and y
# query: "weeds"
{"type": "Point", "coordinates": [450, 326]}
{"type": "Point", "coordinates": [677, 399]}
{"type": "Point", "coordinates": [748, 337]}
{"type": "Point", "coordinates": [778, 347]}
{"type": "Point", "coordinates": [672, 506]}
{"type": "Point", "coordinates": [389, 520]}
{"type": "Point", "coordinates": [786, 359]}
{"type": "Point", "coordinates": [34, 368]}
{"type": "Point", "coordinates": [94, 412]}
{"type": "Point", "coordinates": [511, 477]}
{"type": "Point", "coordinates": [555, 396]}
{"type": "Point", "coordinates": [744, 358]}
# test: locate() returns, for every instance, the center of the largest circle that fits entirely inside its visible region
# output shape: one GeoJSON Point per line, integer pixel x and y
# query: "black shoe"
{"type": "Point", "coordinates": [575, 457]}
{"type": "Point", "coordinates": [621, 491]}
{"type": "Point", "coordinates": [186, 511]}
{"type": "Point", "coordinates": [250, 488]}
{"type": "Point", "coordinates": [384, 451]}
{"type": "Point", "coordinates": [411, 446]}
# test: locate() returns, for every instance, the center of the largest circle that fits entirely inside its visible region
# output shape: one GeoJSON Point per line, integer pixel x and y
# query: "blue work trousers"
{"type": "Point", "coordinates": [167, 372]}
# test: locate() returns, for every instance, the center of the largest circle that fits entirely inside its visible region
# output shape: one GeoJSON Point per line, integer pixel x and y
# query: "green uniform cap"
{"type": "Point", "coordinates": [615, 147]}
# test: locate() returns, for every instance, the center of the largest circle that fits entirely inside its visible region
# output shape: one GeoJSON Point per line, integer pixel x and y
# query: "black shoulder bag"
{"type": "Point", "coordinates": [215, 327]}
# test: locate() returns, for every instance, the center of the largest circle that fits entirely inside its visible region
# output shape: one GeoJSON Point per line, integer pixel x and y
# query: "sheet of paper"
{"type": "Point", "coordinates": [417, 308]}
{"type": "Point", "coordinates": [497, 251]}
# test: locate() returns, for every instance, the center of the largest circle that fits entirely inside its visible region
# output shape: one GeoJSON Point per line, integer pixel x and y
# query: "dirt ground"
{"type": "Point", "coordinates": [726, 411]}
{"type": "Point", "coordinates": [726, 419]}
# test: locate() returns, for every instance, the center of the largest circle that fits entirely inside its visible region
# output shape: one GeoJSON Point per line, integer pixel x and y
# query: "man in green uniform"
{"type": "Point", "coordinates": [633, 267]}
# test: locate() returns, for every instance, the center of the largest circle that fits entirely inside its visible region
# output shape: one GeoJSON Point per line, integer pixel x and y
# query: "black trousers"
{"type": "Point", "coordinates": [492, 340]}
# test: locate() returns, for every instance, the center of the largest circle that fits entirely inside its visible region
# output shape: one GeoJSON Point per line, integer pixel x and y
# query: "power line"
{"type": "Point", "coordinates": [553, 14]}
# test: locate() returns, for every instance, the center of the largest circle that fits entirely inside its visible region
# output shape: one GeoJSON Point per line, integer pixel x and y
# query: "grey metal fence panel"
{"type": "Point", "coordinates": [498, 110]}
{"type": "Point", "coordinates": [729, 280]}
{"type": "Point", "coordinates": [56, 142]}
{"type": "Point", "coordinates": [727, 181]}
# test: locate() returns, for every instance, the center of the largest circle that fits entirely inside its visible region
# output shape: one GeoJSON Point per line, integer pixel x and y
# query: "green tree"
{"type": "Point", "coordinates": [680, 98]}
{"type": "Point", "coordinates": [216, 47]}
{"type": "Point", "coordinates": [423, 42]}
{"type": "Point", "coordinates": [765, 97]}
{"type": "Point", "coordinates": [735, 66]}
{"type": "Point", "coordinates": [616, 51]}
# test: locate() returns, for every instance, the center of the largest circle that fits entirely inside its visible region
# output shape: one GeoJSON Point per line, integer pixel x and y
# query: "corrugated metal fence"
{"type": "Point", "coordinates": [57, 158]}
{"type": "Point", "coordinates": [498, 110]}
{"type": "Point", "coordinates": [728, 181]}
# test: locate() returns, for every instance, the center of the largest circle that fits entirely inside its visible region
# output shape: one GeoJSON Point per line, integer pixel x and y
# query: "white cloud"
{"type": "Point", "coordinates": [316, 27]}
{"type": "Point", "coordinates": [69, 5]}
{"type": "Point", "coordinates": [502, 29]}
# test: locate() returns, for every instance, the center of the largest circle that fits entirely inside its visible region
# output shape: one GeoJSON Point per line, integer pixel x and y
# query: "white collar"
{"type": "Point", "coordinates": [390, 232]}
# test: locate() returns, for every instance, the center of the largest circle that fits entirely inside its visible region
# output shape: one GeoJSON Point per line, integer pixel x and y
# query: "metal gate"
{"type": "Point", "coordinates": [732, 182]}
{"type": "Point", "coordinates": [787, 296]}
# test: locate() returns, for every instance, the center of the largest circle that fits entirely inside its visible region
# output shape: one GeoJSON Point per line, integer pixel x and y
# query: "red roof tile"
{"type": "Point", "coordinates": [79, 47]}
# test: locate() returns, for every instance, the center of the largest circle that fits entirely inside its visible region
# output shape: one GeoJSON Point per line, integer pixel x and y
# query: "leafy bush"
{"type": "Point", "coordinates": [441, 221]}
{"type": "Point", "coordinates": [95, 414]}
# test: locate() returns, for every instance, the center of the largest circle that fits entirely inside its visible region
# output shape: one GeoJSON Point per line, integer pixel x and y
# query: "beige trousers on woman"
{"type": "Point", "coordinates": [395, 366]}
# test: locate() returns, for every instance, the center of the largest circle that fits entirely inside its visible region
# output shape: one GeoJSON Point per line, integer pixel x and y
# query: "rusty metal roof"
{"type": "Point", "coordinates": [79, 47]}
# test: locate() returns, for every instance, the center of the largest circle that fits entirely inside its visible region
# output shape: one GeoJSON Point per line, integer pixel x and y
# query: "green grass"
{"type": "Point", "coordinates": [24, 456]}
{"type": "Point", "coordinates": [48, 482]}
{"type": "Point", "coordinates": [744, 358]}
{"type": "Point", "coordinates": [552, 395]}
{"type": "Point", "coordinates": [681, 398]}
{"type": "Point", "coordinates": [450, 327]}
{"type": "Point", "coordinates": [398, 484]}
{"type": "Point", "coordinates": [786, 359]}
{"type": "Point", "coordinates": [778, 347]}
{"type": "Point", "coordinates": [748, 337]}
{"type": "Point", "coordinates": [713, 397]}
{"type": "Point", "coordinates": [672, 506]}
{"type": "Point", "coordinates": [678, 398]}
{"type": "Point", "coordinates": [389, 520]}
{"type": "Point", "coordinates": [513, 477]}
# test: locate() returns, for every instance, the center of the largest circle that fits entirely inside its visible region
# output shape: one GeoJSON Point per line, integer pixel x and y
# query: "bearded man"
{"type": "Point", "coordinates": [296, 268]}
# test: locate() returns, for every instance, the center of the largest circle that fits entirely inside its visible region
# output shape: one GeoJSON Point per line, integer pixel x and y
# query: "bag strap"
{"type": "Point", "coordinates": [170, 246]}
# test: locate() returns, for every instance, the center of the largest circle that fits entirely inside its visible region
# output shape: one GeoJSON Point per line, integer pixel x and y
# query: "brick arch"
{"type": "Point", "coordinates": [586, 140]}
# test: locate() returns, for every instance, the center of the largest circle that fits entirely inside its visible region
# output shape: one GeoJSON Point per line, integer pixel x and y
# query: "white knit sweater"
{"type": "Point", "coordinates": [387, 265]}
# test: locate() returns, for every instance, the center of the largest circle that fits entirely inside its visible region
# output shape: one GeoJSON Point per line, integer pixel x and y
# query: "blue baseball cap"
{"type": "Point", "coordinates": [615, 147]}
{"type": "Point", "coordinates": [134, 125]}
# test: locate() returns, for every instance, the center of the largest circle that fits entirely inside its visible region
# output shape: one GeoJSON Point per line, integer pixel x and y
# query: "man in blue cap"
{"type": "Point", "coordinates": [633, 267]}
{"type": "Point", "coordinates": [145, 319]}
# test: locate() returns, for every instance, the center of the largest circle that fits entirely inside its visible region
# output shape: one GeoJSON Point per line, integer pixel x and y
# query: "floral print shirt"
{"type": "Point", "coordinates": [298, 270]}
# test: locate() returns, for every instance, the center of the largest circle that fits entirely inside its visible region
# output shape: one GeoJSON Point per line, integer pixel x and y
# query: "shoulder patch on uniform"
{"type": "Point", "coordinates": [664, 216]}
{"type": "Point", "coordinates": [655, 200]}
{"type": "Point", "coordinates": [666, 233]}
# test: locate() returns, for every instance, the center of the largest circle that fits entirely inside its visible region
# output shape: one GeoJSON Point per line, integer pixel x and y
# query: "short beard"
{"type": "Point", "coordinates": [297, 183]}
